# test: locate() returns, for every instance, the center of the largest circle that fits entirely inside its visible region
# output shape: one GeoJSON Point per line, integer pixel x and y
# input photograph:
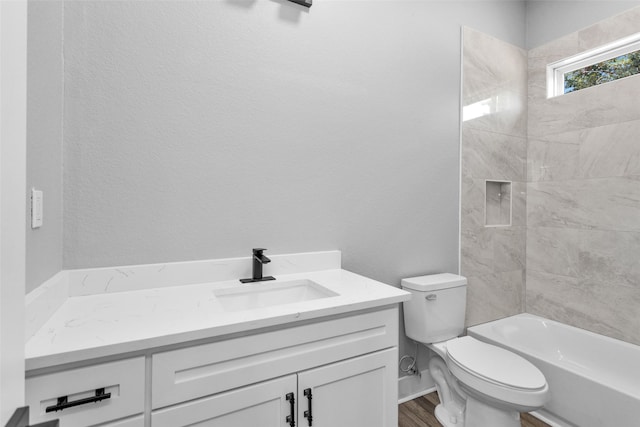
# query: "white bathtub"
{"type": "Point", "coordinates": [594, 380]}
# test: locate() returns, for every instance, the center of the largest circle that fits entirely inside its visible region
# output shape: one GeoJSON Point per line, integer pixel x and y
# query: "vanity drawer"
{"type": "Point", "coordinates": [124, 380]}
{"type": "Point", "coordinates": [203, 370]}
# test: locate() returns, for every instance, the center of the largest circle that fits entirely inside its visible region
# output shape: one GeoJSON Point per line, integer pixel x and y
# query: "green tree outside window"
{"type": "Point", "coordinates": [603, 72]}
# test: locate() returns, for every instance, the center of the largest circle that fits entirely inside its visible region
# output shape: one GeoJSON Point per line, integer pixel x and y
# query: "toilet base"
{"type": "Point", "coordinates": [450, 412]}
{"type": "Point", "coordinates": [480, 414]}
{"type": "Point", "coordinates": [446, 419]}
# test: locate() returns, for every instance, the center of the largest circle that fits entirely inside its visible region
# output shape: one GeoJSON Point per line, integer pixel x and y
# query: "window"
{"type": "Point", "coordinates": [605, 64]}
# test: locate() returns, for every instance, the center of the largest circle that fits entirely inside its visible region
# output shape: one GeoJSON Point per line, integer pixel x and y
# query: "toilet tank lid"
{"type": "Point", "coordinates": [434, 282]}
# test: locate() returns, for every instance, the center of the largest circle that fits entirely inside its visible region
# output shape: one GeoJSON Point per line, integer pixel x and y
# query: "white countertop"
{"type": "Point", "coordinates": [95, 326]}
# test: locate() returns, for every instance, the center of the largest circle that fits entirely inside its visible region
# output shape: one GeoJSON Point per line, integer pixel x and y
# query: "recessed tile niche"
{"type": "Point", "coordinates": [497, 205]}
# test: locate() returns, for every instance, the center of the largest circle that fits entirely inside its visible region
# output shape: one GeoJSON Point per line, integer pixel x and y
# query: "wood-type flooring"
{"type": "Point", "coordinates": [419, 413]}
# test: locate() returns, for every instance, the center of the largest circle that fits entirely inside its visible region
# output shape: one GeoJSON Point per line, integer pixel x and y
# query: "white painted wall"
{"type": "Point", "coordinates": [44, 136]}
{"type": "Point", "coordinates": [549, 19]}
{"type": "Point", "coordinates": [13, 70]}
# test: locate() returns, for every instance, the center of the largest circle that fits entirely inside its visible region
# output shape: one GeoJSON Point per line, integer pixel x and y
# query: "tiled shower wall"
{"type": "Point", "coordinates": [583, 199]}
{"type": "Point", "coordinates": [494, 147]}
{"type": "Point", "coordinates": [572, 253]}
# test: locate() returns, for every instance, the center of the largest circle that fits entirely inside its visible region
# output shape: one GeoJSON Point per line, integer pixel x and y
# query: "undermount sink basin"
{"type": "Point", "coordinates": [268, 294]}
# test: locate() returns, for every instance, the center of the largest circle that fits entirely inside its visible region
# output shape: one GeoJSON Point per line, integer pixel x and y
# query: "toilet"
{"type": "Point", "coordinates": [479, 384]}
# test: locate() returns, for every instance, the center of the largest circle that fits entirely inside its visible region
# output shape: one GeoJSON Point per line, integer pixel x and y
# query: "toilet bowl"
{"type": "Point", "coordinates": [479, 385]}
{"type": "Point", "coordinates": [495, 384]}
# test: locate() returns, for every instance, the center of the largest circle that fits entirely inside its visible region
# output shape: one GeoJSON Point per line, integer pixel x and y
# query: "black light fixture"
{"type": "Point", "coordinates": [306, 3]}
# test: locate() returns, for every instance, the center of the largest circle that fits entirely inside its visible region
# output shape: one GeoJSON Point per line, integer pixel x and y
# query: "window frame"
{"type": "Point", "coordinates": [557, 70]}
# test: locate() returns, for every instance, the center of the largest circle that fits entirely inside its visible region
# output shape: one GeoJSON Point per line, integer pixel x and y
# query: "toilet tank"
{"type": "Point", "coordinates": [436, 309]}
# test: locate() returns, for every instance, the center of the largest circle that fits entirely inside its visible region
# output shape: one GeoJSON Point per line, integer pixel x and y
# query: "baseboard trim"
{"type": "Point", "coordinates": [416, 395]}
{"type": "Point", "coordinates": [548, 418]}
{"type": "Point", "coordinates": [411, 386]}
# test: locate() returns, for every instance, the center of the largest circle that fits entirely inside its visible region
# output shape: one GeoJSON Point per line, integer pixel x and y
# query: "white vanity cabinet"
{"type": "Point", "coordinates": [346, 365]}
{"type": "Point", "coordinates": [341, 368]}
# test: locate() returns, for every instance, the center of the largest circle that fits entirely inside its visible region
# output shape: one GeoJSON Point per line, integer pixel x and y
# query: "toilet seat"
{"type": "Point", "coordinates": [496, 372]}
{"type": "Point", "coordinates": [495, 364]}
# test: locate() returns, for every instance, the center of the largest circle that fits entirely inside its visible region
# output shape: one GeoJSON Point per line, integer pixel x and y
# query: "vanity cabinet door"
{"type": "Point", "coordinates": [358, 392]}
{"type": "Point", "coordinates": [263, 404]}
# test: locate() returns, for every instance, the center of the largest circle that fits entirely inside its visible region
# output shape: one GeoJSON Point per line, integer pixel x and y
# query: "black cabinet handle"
{"type": "Point", "coordinates": [292, 402]}
{"type": "Point", "coordinates": [63, 402]}
{"type": "Point", "coordinates": [308, 414]}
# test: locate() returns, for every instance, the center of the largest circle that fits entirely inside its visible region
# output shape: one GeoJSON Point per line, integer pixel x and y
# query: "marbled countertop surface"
{"type": "Point", "coordinates": [95, 326]}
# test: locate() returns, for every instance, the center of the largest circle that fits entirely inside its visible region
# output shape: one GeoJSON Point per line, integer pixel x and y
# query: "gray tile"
{"type": "Point", "coordinates": [476, 248]}
{"type": "Point", "coordinates": [557, 49]}
{"type": "Point", "coordinates": [553, 204]}
{"type": "Point", "coordinates": [490, 155]}
{"type": "Point", "coordinates": [551, 296]}
{"type": "Point", "coordinates": [606, 257]}
{"type": "Point", "coordinates": [507, 113]}
{"type": "Point", "coordinates": [509, 249]}
{"type": "Point", "coordinates": [602, 203]}
{"type": "Point", "coordinates": [609, 30]}
{"type": "Point", "coordinates": [610, 103]}
{"type": "Point", "coordinates": [537, 80]}
{"type": "Point", "coordinates": [538, 59]}
{"type": "Point", "coordinates": [472, 202]}
{"type": "Point", "coordinates": [491, 66]}
{"type": "Point", "coordinates": [494, 296]}
{"type": "Point", "coordinates": [611, 150]}
{"type": "Point", "coordinates": [609, 310]}
{"type": "Point", "coordinates": [610, 258]}
{"type": "Point", "coordinates": [519, 203]}
{"type": "Point", "coordinates": [553, 250]}
{"type": "Point", "coordinates": [552, 161]}
{"type": "Point", "coordinates": [495, 75]}
{"type": "Point", "coordinates": [551, 116]}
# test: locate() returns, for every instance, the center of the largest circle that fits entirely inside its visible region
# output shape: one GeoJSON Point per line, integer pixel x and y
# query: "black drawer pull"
{"type": "Point", "coordinates": [308, 414]}
{"type": "Point", "coordinates": [63, 403]}
{"type": "Point", "coordinates": [291, 418]}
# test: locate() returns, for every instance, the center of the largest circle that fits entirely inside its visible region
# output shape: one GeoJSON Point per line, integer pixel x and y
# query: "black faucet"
{"type": "Point", "coordinates": [258, 260]}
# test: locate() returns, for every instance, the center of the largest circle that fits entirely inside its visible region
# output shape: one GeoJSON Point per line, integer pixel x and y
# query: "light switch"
{"type": "Point", "coordinates": [36, 208]}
